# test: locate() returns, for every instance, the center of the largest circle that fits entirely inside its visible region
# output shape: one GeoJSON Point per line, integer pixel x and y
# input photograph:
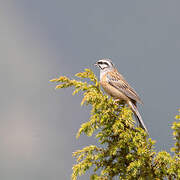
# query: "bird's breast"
{"type": "Point", "coordinates": [112, 91]}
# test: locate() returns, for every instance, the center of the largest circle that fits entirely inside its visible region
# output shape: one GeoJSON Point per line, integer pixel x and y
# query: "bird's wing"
{"type": "Point", "coordinates": [116, 80]}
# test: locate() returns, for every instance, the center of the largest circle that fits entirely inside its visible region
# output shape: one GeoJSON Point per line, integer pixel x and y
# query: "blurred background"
{"type": "Point", "coordinates": [41, 40]}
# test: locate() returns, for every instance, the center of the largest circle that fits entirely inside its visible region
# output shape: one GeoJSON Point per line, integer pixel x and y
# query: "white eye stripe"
{"type": "Point", "coordinates": [105, 64]}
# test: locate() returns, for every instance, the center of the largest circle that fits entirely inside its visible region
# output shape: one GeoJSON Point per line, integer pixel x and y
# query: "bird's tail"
{"type": "Point", "coordinates": [138, 116]}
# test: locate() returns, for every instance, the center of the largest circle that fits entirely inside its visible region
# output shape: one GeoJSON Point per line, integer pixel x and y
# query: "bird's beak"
{"type": "Point", "coordinates": [95, 64]}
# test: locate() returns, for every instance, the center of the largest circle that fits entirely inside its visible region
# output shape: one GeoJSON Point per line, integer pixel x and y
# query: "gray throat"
{"type": "Point", "coordinates": [103, 72]}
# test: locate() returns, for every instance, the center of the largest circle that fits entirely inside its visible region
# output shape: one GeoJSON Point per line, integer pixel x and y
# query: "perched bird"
{"type": "Point", "coordinates": [117, 87]}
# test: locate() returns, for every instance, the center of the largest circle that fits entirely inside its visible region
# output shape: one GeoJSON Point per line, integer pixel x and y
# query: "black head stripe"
{"type": "Point", "coordinates": [100, 62]}
{"type": "Point", "coordinates": [106, 63]}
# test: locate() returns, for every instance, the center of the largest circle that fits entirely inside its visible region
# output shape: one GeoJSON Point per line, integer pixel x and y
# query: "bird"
{"type": "Point", "coordinates": [118, 88]}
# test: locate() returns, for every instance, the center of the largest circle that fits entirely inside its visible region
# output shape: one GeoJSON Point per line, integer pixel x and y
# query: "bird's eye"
{"type": "Point", "coordinates": [106, 63]}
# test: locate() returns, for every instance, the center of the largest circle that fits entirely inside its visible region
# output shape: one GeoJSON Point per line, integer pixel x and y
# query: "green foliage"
{"type": "Point", "coordinates": [123, 150]}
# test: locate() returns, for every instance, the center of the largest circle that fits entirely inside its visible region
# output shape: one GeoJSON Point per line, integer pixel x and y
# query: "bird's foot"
{"type": "Point", "coordinates": [116, 102]}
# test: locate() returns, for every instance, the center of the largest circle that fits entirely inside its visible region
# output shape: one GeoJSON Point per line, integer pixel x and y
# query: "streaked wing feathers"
{"type": "Point", "coordinates": [116, 80]}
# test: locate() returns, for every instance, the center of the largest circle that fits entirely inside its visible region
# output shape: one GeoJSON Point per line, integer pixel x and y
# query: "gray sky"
{"type": "Point", "coordinates": [40, 40]}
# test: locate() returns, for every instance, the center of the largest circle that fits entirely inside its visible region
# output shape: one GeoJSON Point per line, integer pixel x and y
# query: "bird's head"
{"type": "Point", "coordinates": [104, 64]}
